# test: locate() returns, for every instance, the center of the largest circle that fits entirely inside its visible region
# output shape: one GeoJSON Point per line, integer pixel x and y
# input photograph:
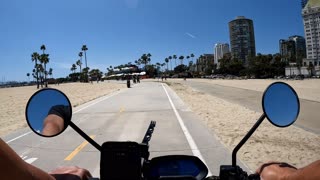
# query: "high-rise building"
{"type": "Point", "coordinates": [242, 39]}
{"type": "Point", "coordinates": [293, 50]}
{"type": "Point", "coordinates": [304, 3]}
{"type": "Point", "coordinates": [311, 20]}
{"type": "Point", "coordinates": [205, 62]}
{"type": "Point", "coordinates": [220, 49]}
{"type": "Point", "coordinates": [300, 47]}
{"type": "Point", "coordinates": [287, 50]}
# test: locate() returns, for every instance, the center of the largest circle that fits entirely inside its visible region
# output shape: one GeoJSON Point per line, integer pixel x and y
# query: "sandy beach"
{"type": "Point", "coordinates": [14, 100]}
{"type": "Point", "coordinates": [230, 122]}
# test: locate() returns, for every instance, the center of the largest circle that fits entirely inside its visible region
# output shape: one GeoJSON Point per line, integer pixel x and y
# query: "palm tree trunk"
{"type": "Point", "coordinates": [45, 74]}
{"type": "Point", "coordinates": [85, 57]}
{"type": "Point", "coordinates": [37, 71]}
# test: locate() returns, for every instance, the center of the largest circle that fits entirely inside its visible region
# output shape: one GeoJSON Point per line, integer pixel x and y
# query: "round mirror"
{"type": "Point", "coordinates": [281, 104]}
{"type": "Point", "coordinates": [48, 112]}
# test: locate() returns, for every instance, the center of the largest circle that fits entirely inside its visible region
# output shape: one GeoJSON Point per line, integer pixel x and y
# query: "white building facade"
{"type": "Point", "coordinates": [311, 20]}
{"type": "Point", "coordinates": [220, 49]}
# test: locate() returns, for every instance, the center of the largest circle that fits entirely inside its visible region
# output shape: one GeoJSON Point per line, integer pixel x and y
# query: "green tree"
{"type": "Point", "coordinates": [180, 68]}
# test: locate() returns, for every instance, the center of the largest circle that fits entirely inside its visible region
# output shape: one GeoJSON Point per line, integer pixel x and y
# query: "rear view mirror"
{"type": "Point", "coordinates": [48, 112]}
{"type": "Point", "coordinates": [176, 166]}
{"type": "Point", "coordinates": [281, 104]}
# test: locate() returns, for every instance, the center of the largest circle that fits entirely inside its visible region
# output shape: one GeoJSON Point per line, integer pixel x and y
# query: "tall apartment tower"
{"type": "Point", "coordinates": [311, 20]}
{"type": "Point", "coordinates": [300, 47]}
{"type": "Point", "coordinates": [220, 49]}
{"type": "Point", "coordinates": [242, 39]}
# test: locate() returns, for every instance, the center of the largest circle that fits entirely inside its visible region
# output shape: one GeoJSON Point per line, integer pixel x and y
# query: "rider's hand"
{"type": "Point", "coordinates": [70, 173]}
{"type": "Point", "coordinates": [275, 171]}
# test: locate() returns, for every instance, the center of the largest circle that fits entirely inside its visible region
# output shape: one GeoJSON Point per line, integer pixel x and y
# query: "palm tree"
{"type": "Point", "coordinates": [44, 59]}
{"type": "Point", "coordinates": [28, 74]}
{"type": "Point", "coordinates": [79, 63]}
{"type": "Point", "coordinates": [50, 72]}
{"type": "Point", "coordinates": [192, 56]}
{"type": "Point", "coordinates": [167, 61]}
{"type": "Point", "coordinates": [41, 71]}
{"type": "Point", "coordinates": [170, 58]}
{"type": "Point", "coordinates": [144, 60]}
{"type": "Point", "coordinates": [73, 68]}
{"type": "Point", "coordinates": [149, 57]}
{"type": "Point", "coordinates": [43, 48]}
{"type": "Point", "coordinates": [175, 57]}
{"type": "Point", "coordinates": [163, 64]}
{"type": "Point", "coordinates": [181, 59]}
{"type": "Point", "coordinates": [188, 58]}
{"type": "Point", "coordinates": [80, 55]}
{"type": "Point", "coordinates": [84, 49]}
{"type": "Point", "coordinates": [35, 58]}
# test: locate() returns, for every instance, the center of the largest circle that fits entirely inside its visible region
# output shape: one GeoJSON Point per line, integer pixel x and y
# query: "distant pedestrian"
{"type": "Point", "coordinates": [138, 79]}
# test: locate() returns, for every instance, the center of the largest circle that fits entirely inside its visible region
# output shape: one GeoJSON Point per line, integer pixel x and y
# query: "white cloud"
{"type": "Point", "coordinates": [190, 35]}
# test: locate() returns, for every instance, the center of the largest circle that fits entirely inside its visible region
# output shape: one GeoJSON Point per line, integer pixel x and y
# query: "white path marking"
{"type": "Point", "coordinates": [192, 144]}
{"type": "Point", "coordinates": [18, 137]}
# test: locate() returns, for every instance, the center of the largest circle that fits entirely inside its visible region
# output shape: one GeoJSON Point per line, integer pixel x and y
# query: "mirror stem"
{"type": "Point", "coordinates": [244, 140]}
{"type": "Point", "coordinates": [85, 136]}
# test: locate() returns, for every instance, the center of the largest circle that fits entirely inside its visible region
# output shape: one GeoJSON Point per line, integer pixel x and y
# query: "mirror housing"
{"type": "Point", "coordinates": [280, 104]}
{"type": "Point", "coordinates": [48, 112]}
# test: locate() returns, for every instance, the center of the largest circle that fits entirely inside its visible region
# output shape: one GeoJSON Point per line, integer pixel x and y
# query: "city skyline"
{"type": "Point", "coordinates": [118, 32]}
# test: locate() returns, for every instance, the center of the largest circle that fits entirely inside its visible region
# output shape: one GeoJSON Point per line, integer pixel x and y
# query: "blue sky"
{"type": "Point", "coordinates": [120, 31]}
